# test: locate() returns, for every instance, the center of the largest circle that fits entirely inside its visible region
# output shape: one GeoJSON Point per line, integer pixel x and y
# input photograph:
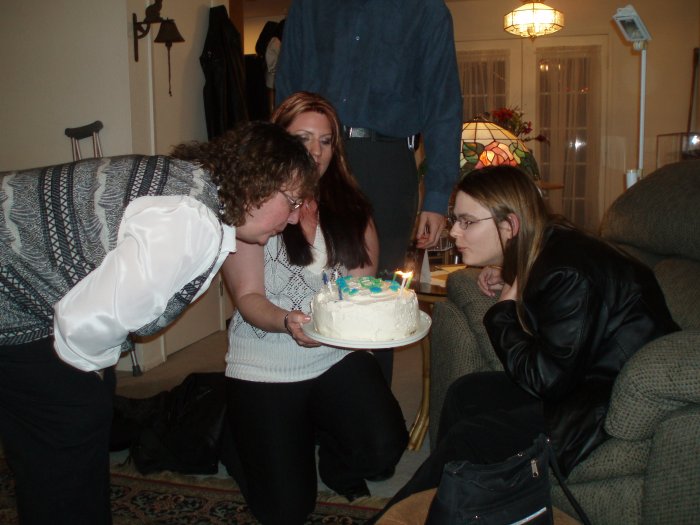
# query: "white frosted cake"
{"type": "Point", "coordinates": [365, 309]}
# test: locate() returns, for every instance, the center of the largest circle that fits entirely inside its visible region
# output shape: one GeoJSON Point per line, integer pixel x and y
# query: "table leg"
{"type": "Point", "coordinates": [420, 425]}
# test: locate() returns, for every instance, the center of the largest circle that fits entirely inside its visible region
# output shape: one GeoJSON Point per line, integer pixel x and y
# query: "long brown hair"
{"type": "Point", "coordinates": [250, 163]}
{"type": "Point", "coordinates": [506, 190]}
{"type": "Point", "coordinates": [344, 211]}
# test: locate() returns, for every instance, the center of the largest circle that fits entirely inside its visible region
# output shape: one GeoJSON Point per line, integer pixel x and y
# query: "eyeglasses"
{"type": "Point", "coordinates": [463, 223]}
{"type": "Point", "coordinates": [294, 204]}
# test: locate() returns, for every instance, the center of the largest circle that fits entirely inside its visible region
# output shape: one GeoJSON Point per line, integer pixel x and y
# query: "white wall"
{"type": "Point", "coordinates": [69, 62]}
{"type": "Point", "coordinates": [64, 65]}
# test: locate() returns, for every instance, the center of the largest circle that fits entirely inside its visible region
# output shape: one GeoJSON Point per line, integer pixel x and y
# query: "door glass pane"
{"type": "Point", "coordinates": [568, 95]}
{"type": "Point", "coordinates": [483, 80]}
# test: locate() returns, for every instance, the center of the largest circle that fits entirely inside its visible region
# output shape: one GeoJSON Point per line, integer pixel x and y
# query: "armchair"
{"type": "Point", "coordinates": [649, 470]}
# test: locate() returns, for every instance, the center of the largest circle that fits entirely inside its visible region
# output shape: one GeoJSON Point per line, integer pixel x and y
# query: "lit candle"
{"type": "Point", "coordinates": [406, 278]}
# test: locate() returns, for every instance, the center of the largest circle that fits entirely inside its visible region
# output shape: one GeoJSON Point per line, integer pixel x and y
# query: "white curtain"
{"type": "Point", "coordinates": [569, 115]}
{"type": "Point", "coordinates": [482, 75]}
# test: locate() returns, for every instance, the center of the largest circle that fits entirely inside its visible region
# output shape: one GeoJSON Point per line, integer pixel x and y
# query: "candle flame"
{"type": "Point", "coordinates": [406, 278]}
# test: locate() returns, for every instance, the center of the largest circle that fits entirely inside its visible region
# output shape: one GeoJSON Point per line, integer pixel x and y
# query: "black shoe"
{"type": "Point", "coordinates": [352, 493]}
{"type": "Point", "coordinates": [383, 476]}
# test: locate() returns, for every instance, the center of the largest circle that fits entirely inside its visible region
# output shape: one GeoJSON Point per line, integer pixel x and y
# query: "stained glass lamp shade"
{"type": "Point", "coordinates": [487, 144]}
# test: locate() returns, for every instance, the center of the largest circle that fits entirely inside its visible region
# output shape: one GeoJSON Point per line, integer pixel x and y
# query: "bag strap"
{"type": "Point", "coordinates": [557, 473]}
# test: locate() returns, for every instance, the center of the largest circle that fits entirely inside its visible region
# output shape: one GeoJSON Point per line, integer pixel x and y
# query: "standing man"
{"type": "Point", "coordinates": [389, 68]}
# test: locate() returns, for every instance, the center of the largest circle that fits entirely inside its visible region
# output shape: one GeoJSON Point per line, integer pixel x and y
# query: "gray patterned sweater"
{"type": "Point", "coordinates": [58, 223]}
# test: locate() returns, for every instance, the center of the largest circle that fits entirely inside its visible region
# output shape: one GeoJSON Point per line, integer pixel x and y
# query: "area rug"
{"type": "Point", "coordinates": [174, 499]}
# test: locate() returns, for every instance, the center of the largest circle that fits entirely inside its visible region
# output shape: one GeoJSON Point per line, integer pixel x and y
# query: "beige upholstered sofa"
{"type": "Point", "coordinates": [649, 471]}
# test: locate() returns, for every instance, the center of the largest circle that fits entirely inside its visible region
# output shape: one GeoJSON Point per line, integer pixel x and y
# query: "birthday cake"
{"type": "Point", "coordinates": [365, 309]}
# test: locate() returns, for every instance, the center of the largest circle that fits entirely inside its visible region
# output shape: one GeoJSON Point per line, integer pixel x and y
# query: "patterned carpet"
{"type": "Point", "coordinates": [173, 499]}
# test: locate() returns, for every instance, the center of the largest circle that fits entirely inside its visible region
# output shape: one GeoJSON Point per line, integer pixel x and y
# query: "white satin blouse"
{"type": "Point", "coordinates": [164, 242]}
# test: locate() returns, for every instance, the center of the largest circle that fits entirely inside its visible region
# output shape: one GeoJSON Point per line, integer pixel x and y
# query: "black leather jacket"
{"type": "Point", "coordinates": [590, 308]}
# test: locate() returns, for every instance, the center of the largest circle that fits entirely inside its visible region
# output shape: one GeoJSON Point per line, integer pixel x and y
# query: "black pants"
{"type": "Point", "coordinates": [486, 418]}
{"type": "Point", "coordinates": [54, 424]}
{"type": "Point", "coordinates": [349, 409]}
{"type": "Point", "coordinates": [387, 174]}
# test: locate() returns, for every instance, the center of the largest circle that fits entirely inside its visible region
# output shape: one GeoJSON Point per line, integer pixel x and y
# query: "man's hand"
{"type": "Point", "coordinates": [430, 225]}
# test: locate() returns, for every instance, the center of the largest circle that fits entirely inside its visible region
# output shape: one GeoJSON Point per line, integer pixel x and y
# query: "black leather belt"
{"type": "Point", "coordinates": [367, 133]}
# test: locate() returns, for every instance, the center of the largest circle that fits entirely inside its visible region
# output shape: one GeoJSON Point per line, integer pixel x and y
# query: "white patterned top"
{"type": "Point", "coordinates": [257, 355]}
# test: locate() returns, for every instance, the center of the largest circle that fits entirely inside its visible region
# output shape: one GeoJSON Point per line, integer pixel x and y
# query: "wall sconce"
{"type": "Point", "coordinates": [167, 34]}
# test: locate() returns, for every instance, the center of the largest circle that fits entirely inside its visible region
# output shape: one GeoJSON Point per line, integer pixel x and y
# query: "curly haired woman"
{"type": "Point", "coordinates": [94, 250]}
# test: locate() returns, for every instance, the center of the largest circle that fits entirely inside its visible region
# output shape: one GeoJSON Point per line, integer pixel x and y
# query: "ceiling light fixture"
{"type": "Point", "coordinates": [533, 19]}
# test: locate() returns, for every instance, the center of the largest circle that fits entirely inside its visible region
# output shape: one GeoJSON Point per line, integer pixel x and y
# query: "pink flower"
{"type": "Point", "coordinates": [496, 154]}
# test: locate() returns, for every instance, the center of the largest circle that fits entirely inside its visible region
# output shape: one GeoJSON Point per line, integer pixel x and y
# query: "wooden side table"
{"type": "Point", "coordinates": [427, 295]}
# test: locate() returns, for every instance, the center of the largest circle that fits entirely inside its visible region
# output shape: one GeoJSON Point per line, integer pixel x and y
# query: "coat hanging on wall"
{"type": "Point", "coordinates": [222, 63]}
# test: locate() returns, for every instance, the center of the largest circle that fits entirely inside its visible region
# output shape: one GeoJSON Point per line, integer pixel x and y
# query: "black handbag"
{"type": "Point", "coordinates": [515, 491]}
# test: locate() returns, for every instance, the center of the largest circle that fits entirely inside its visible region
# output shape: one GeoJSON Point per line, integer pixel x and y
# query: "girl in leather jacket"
{"type": "Point", "coordinates": [571, 310]}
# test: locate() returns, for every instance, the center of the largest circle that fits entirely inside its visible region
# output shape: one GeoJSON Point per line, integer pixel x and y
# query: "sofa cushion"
{"type": "Point", "coordinates": [680, 281]}
{"type": "Point", "coordinates": [659, 213]}
{"type": "Point", "coordinates": [672, 482]}
{"type": "Point", "coordinates": [463, 291]}
{"type": "Point", "coordinates": [613, 458]}
{"type": "Point", "coordinates": [612, 501]}
{"type": "Point", "coordinates": [661, 377]}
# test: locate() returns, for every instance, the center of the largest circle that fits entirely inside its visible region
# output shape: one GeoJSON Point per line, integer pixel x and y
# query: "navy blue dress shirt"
{"type": "Point", "coordinates": [388, 65]}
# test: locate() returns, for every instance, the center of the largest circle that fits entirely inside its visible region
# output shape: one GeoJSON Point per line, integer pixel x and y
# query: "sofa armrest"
{"type": "Point", "coordinates": [459, 343]}
{"type": "Point", "coordinates": [464, 293]}
{"type": "Point", "coordinates": [663, 376]}
{"type": "Point", "coordinates": [672, 477]}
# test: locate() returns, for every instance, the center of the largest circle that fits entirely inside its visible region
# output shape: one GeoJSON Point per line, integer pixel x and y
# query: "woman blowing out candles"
{"type": "Point", "coordinates": [572, 310]}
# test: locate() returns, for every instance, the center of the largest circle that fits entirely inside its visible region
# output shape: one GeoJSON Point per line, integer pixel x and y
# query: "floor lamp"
{"type": "Point", "coordinates": [634, 30]}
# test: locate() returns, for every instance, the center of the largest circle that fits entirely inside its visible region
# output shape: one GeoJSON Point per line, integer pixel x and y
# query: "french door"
{"type": "Point", "coordinates": [559, 84]}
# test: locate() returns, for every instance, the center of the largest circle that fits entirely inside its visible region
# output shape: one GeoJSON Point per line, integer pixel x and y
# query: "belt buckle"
{"type": "Point", "coordinates": [359, 133]}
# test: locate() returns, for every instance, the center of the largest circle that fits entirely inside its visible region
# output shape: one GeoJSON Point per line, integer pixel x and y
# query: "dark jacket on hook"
{"type": "Point", "coordinates": [222, 63]}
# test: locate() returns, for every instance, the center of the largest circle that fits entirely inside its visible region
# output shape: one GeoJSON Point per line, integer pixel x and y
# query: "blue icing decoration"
{"type": "Point", "coordinates": [354, 291]}
{"type": "Point", "coordinates": [394, 286]}
{"type": "Point", "coordinates": [375, 289]}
